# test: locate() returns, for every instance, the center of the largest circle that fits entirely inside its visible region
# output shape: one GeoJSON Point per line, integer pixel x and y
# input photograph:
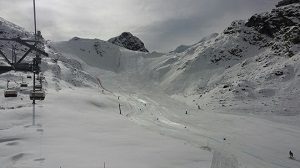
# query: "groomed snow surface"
{"type": "Point", "coordinates": [83, 128]}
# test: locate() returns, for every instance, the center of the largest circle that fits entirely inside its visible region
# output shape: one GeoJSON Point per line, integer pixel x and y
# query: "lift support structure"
{"type": "Point", "coordinates": [31, 44]}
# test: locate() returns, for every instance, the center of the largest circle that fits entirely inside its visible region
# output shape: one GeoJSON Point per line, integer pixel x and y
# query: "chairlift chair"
{"type": "Point", "coordinates": [37, 95]}
{"type": "Point", "coordinates": [38, 87]}
{"type": "Point", "coordinates": [29, 76]}
{"type": "Point", "coordinates": [40, 77]}
{"type": "Point", "coordinates": [10, 93]}
{"type": "Point", "coordinates": [23, 84]}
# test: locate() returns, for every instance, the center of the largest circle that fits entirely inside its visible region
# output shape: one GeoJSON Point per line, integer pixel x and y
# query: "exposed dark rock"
{"type": "Point", "coordinates": [282, 25]}
{"type": "Point", "coordinates": [287, 2]}
{"type": "Point", "coordinates": [127, 40]}
{"type": "Point", "coordinates": [292, 34]}
{"type": "Point", "coordinates": [235, 27]}
{"type": "Point", "coordinates": [271, 23]}
{"type": "Point", "coordinates": [226, 86]}
{"type": "Point", "coordinates": [236, 52]}
{"type": "Point", "coordinates": [278, 73]}
{"type": "Point", "coordinates": [74, 39]}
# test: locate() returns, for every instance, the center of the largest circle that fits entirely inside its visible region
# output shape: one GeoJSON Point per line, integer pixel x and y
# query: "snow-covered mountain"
{"type": "Point", "coordinates": [127, 40]}
{"type": "Point", "coordinates": [249, 61]}
{"type": "Point", "coordinates": [10, 30]}
{"type": "Point", "coordinates": [58, 69]}
{"type": "Point", "coordinates": [174, 107]}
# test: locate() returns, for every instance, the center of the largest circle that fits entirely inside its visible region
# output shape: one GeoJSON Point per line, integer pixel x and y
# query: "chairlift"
{"type": "Point", "coordinates": [38, 87]}
{"type": "Point", "coordinates": [24, 84]}
{"type": "Point", "coordinates": [29, 76]}
{"type": "Point", "coordinates": [37, 95]}
{"type": "Point", "coordinates": [40, 78]}
{"type": "Point", "coordinates": [10, 93]}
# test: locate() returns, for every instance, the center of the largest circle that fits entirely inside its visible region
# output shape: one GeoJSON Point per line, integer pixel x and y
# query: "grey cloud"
{"type": "Point", "coordinates": [162, 25]}
{"type": "Point", "coordinates": [213, 17]}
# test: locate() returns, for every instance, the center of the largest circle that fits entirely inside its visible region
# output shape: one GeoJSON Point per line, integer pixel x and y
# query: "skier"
{"type": "Point", "coordinates": [291, 155]}
{"type": "Point", "coordinates": [120, 109]}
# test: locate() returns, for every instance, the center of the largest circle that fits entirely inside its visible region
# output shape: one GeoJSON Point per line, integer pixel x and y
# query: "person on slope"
{"type": "Point", "coordinates": [291, 155]}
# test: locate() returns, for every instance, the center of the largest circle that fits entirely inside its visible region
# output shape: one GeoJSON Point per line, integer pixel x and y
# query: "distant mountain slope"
{"type": "Point", "coordinates": [254, 60]}
{"type": "Point", "coordinates": [127, 40]}
{"type": "Point", "coordinates": [60, 71]}
{"type": "Point", "coordinates": [93, 52]}
{"type": "Point", "coordinates": [11, 30]}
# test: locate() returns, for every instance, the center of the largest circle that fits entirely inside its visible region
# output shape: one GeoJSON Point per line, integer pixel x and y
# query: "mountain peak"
{"type": "Point", "coordinates": [129, 41]}
{"type": "Point", "coordinates": [287, 2]}
{"type": "Point", "coordinates": [279, 21]}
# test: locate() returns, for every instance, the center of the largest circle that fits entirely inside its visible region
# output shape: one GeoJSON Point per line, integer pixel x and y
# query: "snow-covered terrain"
{"type": "Point", "coordinates": [229, 101]}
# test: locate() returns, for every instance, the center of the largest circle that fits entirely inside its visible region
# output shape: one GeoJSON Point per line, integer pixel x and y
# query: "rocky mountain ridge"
{"type": "Point", "coordinates": [127, 40]}
{"type": "Point", "coordinates": [286, 2]}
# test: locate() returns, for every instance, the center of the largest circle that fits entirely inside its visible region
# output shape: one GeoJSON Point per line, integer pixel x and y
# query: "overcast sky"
{"type": "Point", "coordinates": [161, 24]}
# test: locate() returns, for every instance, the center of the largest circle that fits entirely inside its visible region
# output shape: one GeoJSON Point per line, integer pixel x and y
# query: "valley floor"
{"type": "Point", "coordinates": [76, 128]}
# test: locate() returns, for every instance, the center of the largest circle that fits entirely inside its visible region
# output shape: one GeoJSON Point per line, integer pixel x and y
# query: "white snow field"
{"type": "Point", "coordinates": [229, 101]}
{"type": "Point", "coordinates": [82, 128]}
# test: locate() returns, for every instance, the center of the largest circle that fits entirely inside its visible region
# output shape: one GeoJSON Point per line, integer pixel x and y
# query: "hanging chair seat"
{"type": "Point", "coordinates": [10, 93]}
{"type": "Point", "coordinates": [37, 95]}
{"type": "Point", "coordinates": [24, 84]}
{"type": "Point", "coordinates": [38, 87]}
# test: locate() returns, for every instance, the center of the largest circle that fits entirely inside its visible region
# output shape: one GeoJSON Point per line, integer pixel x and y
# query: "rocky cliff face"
{"type": "Point", "coordinates": [279, 19]}
{"type": "Point", "coordinates": [127, 40]}
{"type": "Point", "coordinates": [281, 24]}
{"type": "Point", "coordinates": [286, 2]}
